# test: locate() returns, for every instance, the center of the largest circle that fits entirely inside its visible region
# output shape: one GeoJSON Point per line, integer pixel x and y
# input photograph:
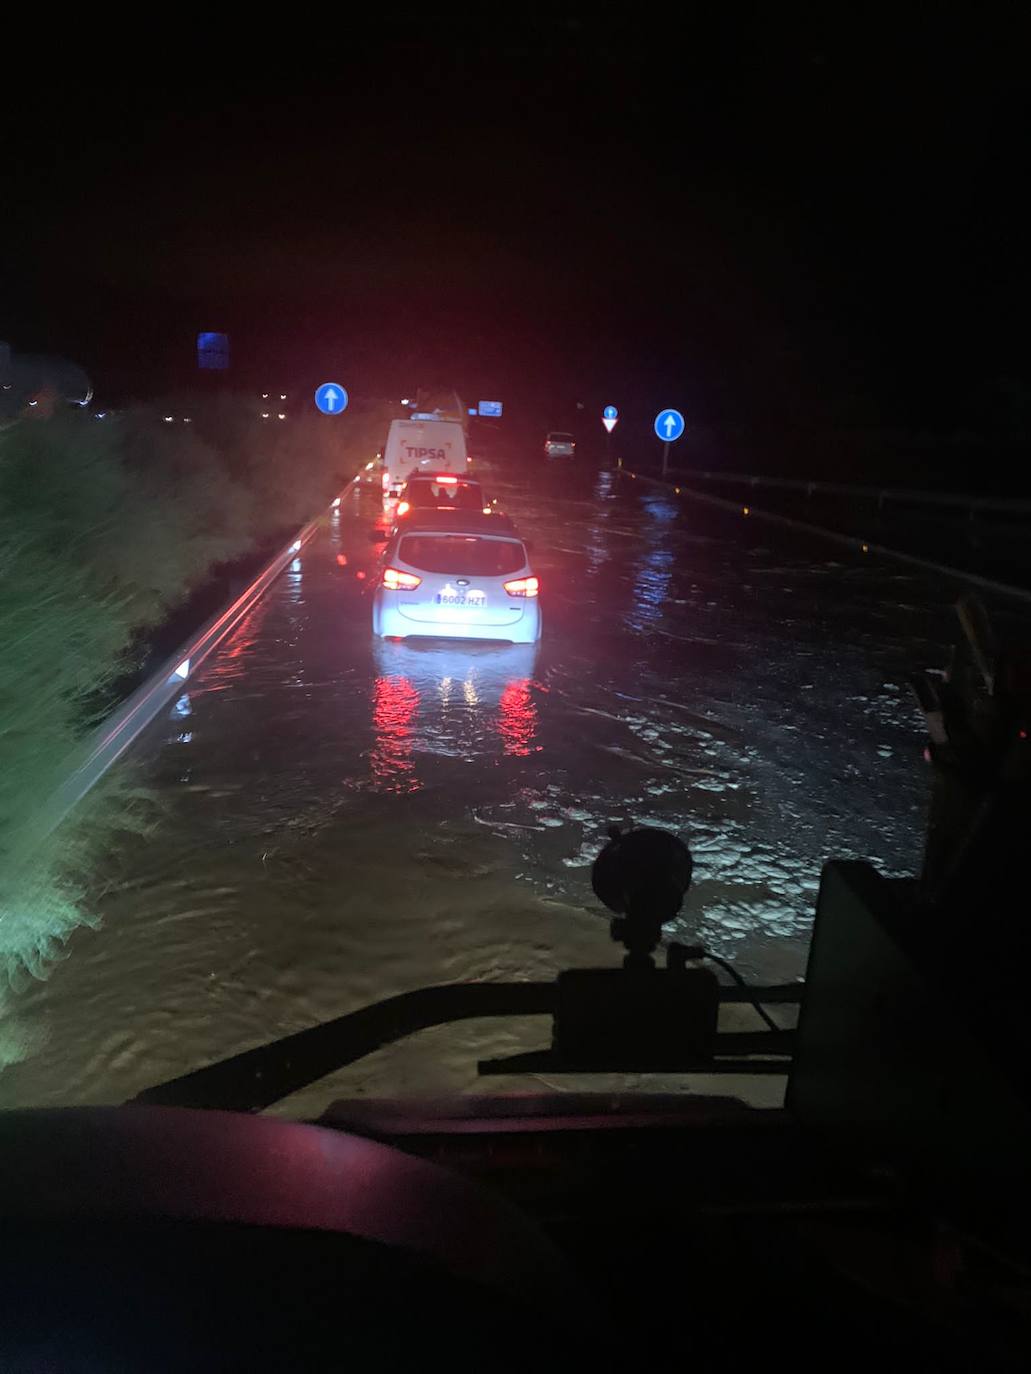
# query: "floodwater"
{"type": "Point", "coordinates": [343, 820]}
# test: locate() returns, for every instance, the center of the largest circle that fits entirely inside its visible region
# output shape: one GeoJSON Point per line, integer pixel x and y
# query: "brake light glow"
{"type": "Point", "coordinates": [523, 586]}
{"type": "Point", "coordinates": [403, 507]}
{"type": "Point", "coordinates": [397, 581]}
{"type": "Point", "coordinates": [446, 481]}
{"type": "Point", "coordinates": [386, 480]}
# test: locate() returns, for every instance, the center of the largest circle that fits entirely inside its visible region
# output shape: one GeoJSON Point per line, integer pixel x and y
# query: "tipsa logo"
{"type": "Point", "coordinates": [420, 453]}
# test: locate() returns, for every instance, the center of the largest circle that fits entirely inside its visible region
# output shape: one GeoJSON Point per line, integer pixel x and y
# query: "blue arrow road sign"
{"type": "Point", "coordinates": [669, 425]}
{"type": "Point", "coordinates": [331, 398]}
{"type": "Point", "coordinates": [610, 413]}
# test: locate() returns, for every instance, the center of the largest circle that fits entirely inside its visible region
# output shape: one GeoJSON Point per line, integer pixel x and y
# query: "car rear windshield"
{"type": "Point", "coordinates": [463, 496]}
{"type": "Point", "coordinates": [561, 438]}
{"type": "Point", "coordinates": [459, 554]}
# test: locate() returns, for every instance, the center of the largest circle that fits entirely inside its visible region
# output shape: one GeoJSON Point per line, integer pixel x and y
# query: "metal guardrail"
{"type": "Point", "coordinates": [855, 542]}
{"type": "Point", "coordinates": [110, 741]}
{"type": "Point", "coordinates": [881, 495]}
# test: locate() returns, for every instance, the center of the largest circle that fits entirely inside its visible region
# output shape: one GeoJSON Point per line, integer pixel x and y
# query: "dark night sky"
{"type": "Point", "coordinates": [789, 219]}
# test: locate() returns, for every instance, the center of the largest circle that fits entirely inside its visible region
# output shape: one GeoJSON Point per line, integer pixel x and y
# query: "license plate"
{"type": "Point", "coordinates": [451, 599]}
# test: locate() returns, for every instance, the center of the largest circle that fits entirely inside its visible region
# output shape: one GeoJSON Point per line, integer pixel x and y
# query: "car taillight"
{"type": "Point", "coordinates": [523, 586]}
{"type": "Point", "coordinates": [401, 581]}
{"type": "Point", "coordinates": [447, 481]}
{"type": "Point", "coordinates": [403, 508]}
{"type": "Point", "coordinates": [386, 480]}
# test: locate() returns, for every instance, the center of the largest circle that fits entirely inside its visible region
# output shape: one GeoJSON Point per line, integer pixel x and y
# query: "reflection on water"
{"type": "Point", "coordinates": [597, 545]}
{"type": "Point", "coordinates": [604, 483]}
{"type": "Point", "coordinates": [238, 654]}
{"type": "Point", "coordinates": [517, 718]}
{"type": "Point", "coordinates": [395, 703]}
{"type": "Point", "coordinates": [293, 583]}
{"type": "Point", "coordinates": [651, 588]}
{"type": "Point", "coordinates": [658, 507]}
{"type": "Point", "coordinates": [655, 567]}
{"type": "Point", "coordinates": [461, 701]}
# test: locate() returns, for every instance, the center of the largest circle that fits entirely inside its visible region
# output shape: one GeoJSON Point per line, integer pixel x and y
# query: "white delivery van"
{"type": "Point", "coordinates": [415, 446]}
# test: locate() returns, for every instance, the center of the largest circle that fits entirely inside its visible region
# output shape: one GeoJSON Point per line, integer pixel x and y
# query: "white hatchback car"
{"type": "Point", "coordinates": [448, 576]}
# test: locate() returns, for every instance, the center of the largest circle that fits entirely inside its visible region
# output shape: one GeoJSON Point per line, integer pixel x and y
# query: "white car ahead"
{"type": "Point", "coordinates": [449, 576]}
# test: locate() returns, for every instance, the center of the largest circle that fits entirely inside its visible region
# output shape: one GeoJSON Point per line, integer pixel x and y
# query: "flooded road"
{"type": "Point", "coordinates": [342, 820]}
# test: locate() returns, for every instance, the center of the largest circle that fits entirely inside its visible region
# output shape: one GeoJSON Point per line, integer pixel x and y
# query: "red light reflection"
{"type": "Point", "coordinates": [517, 718]}
{"type": "Point", "coordinates": [235, 657]}
{"type": "Point", "coordinates": [395, 703]}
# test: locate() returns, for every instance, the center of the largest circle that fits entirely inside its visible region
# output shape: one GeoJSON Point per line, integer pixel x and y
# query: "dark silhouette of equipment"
{"type": "Point", "coordinates": [627, 1017]}
{"type": "Point", "coordinates": [642, 875]}
{"type": "Point", "coordinates": [913, 1042]}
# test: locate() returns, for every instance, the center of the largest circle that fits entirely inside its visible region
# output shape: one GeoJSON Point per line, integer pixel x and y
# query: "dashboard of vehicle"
{"type": "Point", "coordinates": [497, 1233]}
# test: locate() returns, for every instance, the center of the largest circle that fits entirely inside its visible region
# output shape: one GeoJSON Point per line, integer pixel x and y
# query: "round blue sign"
{"type": "Point", "coordinates": [610, 413]}
{"type": "Point", "coordinates": [669, 425]}
{"type": "Point", "coordinates": [331, 398]}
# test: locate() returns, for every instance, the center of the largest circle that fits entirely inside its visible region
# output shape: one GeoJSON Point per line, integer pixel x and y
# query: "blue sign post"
{"type": "Point", "coordinates": [331, 398]}
{"type": "Point", "coordinates": [610, 419]}
{"type": "Point", "coordinates": [669, 425]}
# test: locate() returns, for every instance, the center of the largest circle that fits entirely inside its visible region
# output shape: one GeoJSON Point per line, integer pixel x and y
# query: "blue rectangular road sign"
{"type": "Point", "coordinates": [491, 409]}
{"type": "Point", "coordinates": [213, 351]}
